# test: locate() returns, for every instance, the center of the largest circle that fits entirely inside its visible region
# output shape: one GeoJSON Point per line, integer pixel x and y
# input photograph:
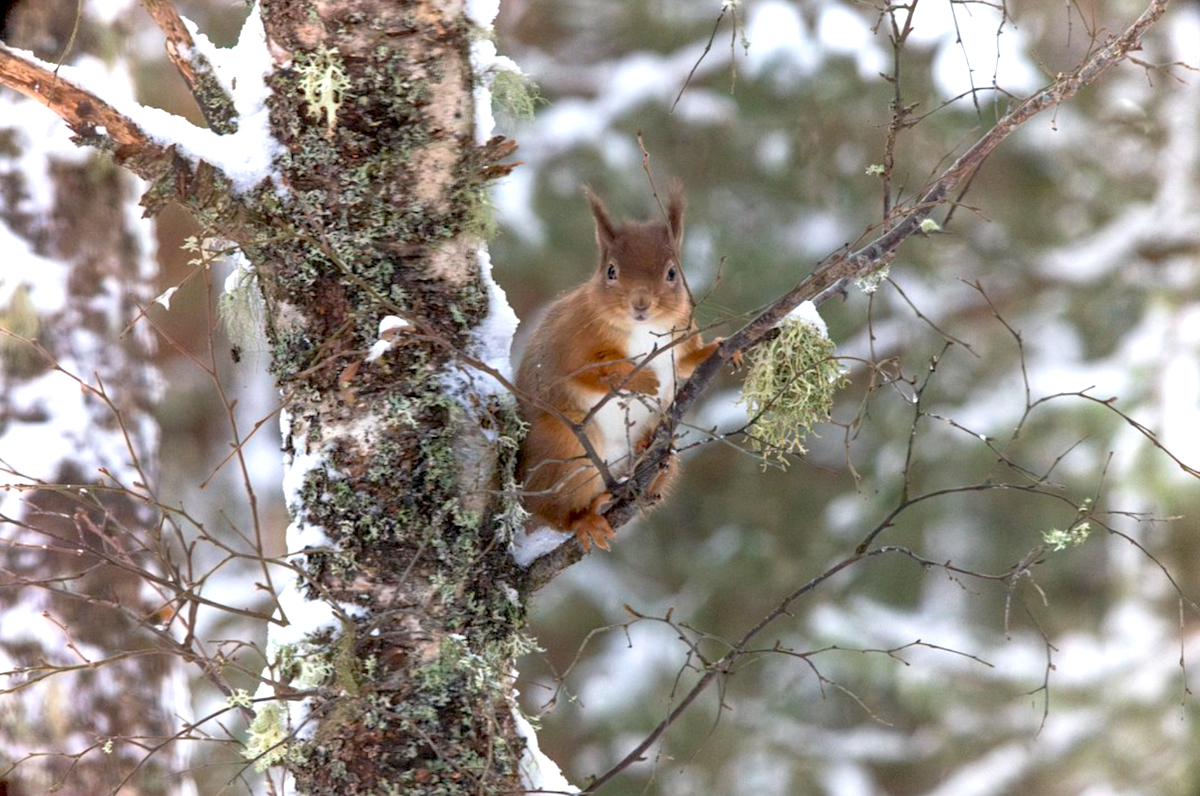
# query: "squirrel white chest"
{"type": "Point", "coordinates": [626, 416]}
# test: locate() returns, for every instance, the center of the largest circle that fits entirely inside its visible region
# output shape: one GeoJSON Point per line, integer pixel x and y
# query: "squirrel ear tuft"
{"type": "Point", "coordinates": [606, 231]}
{"type": "Point", "coordinates": [675, 205]}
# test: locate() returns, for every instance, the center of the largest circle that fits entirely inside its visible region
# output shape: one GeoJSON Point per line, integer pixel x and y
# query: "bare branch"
{"type": "Point", "coordinates": [97, 123]}
{"type": "Point", "coordinates": [214, 103]}
{"type": "Point", "coordinates": [92, 119]}
{"type": "Point", "coordinates": [832, 277]}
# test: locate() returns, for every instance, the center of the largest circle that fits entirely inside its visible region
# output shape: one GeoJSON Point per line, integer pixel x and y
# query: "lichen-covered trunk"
{"type": "Point", "coordinates": [83, 696]}
{"type": "Point", "coordinates": [393, 673]}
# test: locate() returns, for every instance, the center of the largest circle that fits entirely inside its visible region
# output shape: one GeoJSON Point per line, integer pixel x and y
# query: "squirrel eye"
{"type": "Point", "coordinates": [612, 272]}
{"type": "Point", "coordinates": [671, 274]}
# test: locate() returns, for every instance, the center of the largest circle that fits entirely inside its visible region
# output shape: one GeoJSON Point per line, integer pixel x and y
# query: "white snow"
{"type": "Point", "coordinates": [381, 346]}
{"type": "Point", "coordinates": [300, 533]}
{"type": "Point", "coordinates": [781, 45]}
{"type": "Point", "coordinates": [847, 32]}
{"type": "Point", "coordinates": [494, 335]}
{"type": "Point", "coordinates": [390, 322]}
{"type": "Point", "coordinates": [54, 420]}
{"type": "Point", "coordinates": [492, 338]}
{"type": "Point", "coordinates": [987, 55]}
{"type": "Point", "coordinates": [304, 616]}
{"type": "Point", "coordinates": [35, 449]}
{"type": "Point", "coordinates": [621, 85]}
{"type": "Point", "coordinates": [807, 313]}
{"type": "Point", "coordinates": [296, 467]}
{"type": "Point", "coordinates": [482, 12]}
{"type": "Point", "coordinates": [42, 138]}
{"type": "Point", "coordinates": [164, 298]}
{"type": "Point", "coordinates": [529, 547]}
{"type": "Point", "coordinates": [378, 349]}
{"type": "Point", "coordinates": [539, 774]}
{"type": "Point", "coordinates": [44, 279]}
{"type": "Point", "coordinates": [246, 156]}
{"type": "Point", "coordinates": [491, 344]}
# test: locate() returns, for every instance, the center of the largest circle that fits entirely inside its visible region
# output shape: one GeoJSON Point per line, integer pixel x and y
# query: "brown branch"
{"type": "Point", "coordinates": [707, 48]}
{"type": "Point", "coordinates": [195, 185]}
{"type": "Point", "coordinates": [723, 665]}
{"type": "Point", "coordinates": [831, 278]}
{"type": "Point", "coordinates": [90, 117]}
{"type": "Point", "coordinates": [214, 103]}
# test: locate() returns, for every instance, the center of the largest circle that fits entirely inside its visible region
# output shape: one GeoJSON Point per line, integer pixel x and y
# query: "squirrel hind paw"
{"type": "Point", "coordinates": [592, 529]}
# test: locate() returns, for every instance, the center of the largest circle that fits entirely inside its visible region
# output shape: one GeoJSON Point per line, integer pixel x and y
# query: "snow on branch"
{"type": "Point", "coordinates": [214, 101]}
{"type": "Point", "coordinates": [229, 88]}
{"type": "Point", "coordinates": [91, 118]}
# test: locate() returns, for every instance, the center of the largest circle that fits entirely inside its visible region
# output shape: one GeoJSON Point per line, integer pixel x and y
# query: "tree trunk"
{"type": "Point", "coordinates": [399, 618]}
{"type": "Point", "coordinates": [394, 462]}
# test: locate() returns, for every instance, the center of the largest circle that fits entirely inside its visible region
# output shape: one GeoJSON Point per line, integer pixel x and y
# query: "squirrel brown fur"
{"type": "Point", "coordinates": [608, 355]}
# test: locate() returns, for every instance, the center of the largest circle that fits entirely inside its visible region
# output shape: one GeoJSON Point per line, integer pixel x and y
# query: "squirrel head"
{"type": "Point", "coordinates": [639, 278]}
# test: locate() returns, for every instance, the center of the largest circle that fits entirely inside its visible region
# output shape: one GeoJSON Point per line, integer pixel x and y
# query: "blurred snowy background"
{"type": "Point", "coordinates": [1082, 233]}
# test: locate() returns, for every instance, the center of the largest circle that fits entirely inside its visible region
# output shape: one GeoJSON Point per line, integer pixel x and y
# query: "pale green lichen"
{"type": "Point", "coordinates": [511, 514]}
{"type": "Point", "coordinates": [479, 221]}
{"type": "Point", "coordinates": [239, 698]}
{"type": "Point", "coordinates": [21, 323]}
{"type": "Point", "coordinates": [265, 744]}
{"type": "Point", "coordinates": [789, 388]}
{"type": "Point", "coordinates": [241, 307]}
{"type": "Point", "coordinates": [303, 664]}
{"type": "Point", "coordinates": [324, 80]}
{"type": "Point", "coordinates": [1076, 534]}
{"type": "Point", "coordinates": [871, 282]}
{"type": "Point", "coordinates": [482, 672]}
{"type": "Point", "coordinates": [515, 94]}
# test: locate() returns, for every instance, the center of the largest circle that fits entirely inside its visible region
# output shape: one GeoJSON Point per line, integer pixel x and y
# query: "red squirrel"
{"type": "Point", "coordinates": [591, 349]}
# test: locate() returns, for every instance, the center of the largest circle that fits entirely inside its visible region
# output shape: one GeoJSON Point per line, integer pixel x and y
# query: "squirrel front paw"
{"type": "Point", "coordinates": [591, 528]}
{"type": "Point", "coordinates": [644, 381]}
{"type": "Point", "coordinates": [737, 357]}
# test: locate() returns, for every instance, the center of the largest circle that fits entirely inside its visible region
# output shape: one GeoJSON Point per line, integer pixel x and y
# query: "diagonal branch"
{"type": "Point", "coordinates": [832, 278]}
{"type": "Point", "coordinates": [91, 118]}
{"type": "Point", "coordinates": [214, 102]}
{"type": "Point", "coordinates": [194, 184]}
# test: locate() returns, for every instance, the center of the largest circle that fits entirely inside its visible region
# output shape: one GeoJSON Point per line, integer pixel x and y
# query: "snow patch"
{"type": "Point", "coordinates": [780, 43]}
{"type": "Point", "coordinates": [807, 313]}
{"type": "Point", "coordinates": [245, 157]}
{"type": "Point", "coordinates": [482, 12]}
{"type": "Point", "coordinates": [539, 774]}
{"type": "Point", "coordinates": [494, 335]}
{"type": "Point", "coordinates": [848, 33]}
{"type": "Point", "coordinates": [529, 547]}
{"type": "Point", "coordinates": [389, 328]}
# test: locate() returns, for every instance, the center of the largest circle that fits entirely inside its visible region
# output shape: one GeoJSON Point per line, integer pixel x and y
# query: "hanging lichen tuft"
{"type": "Point", "coordinates": [790, 384]}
